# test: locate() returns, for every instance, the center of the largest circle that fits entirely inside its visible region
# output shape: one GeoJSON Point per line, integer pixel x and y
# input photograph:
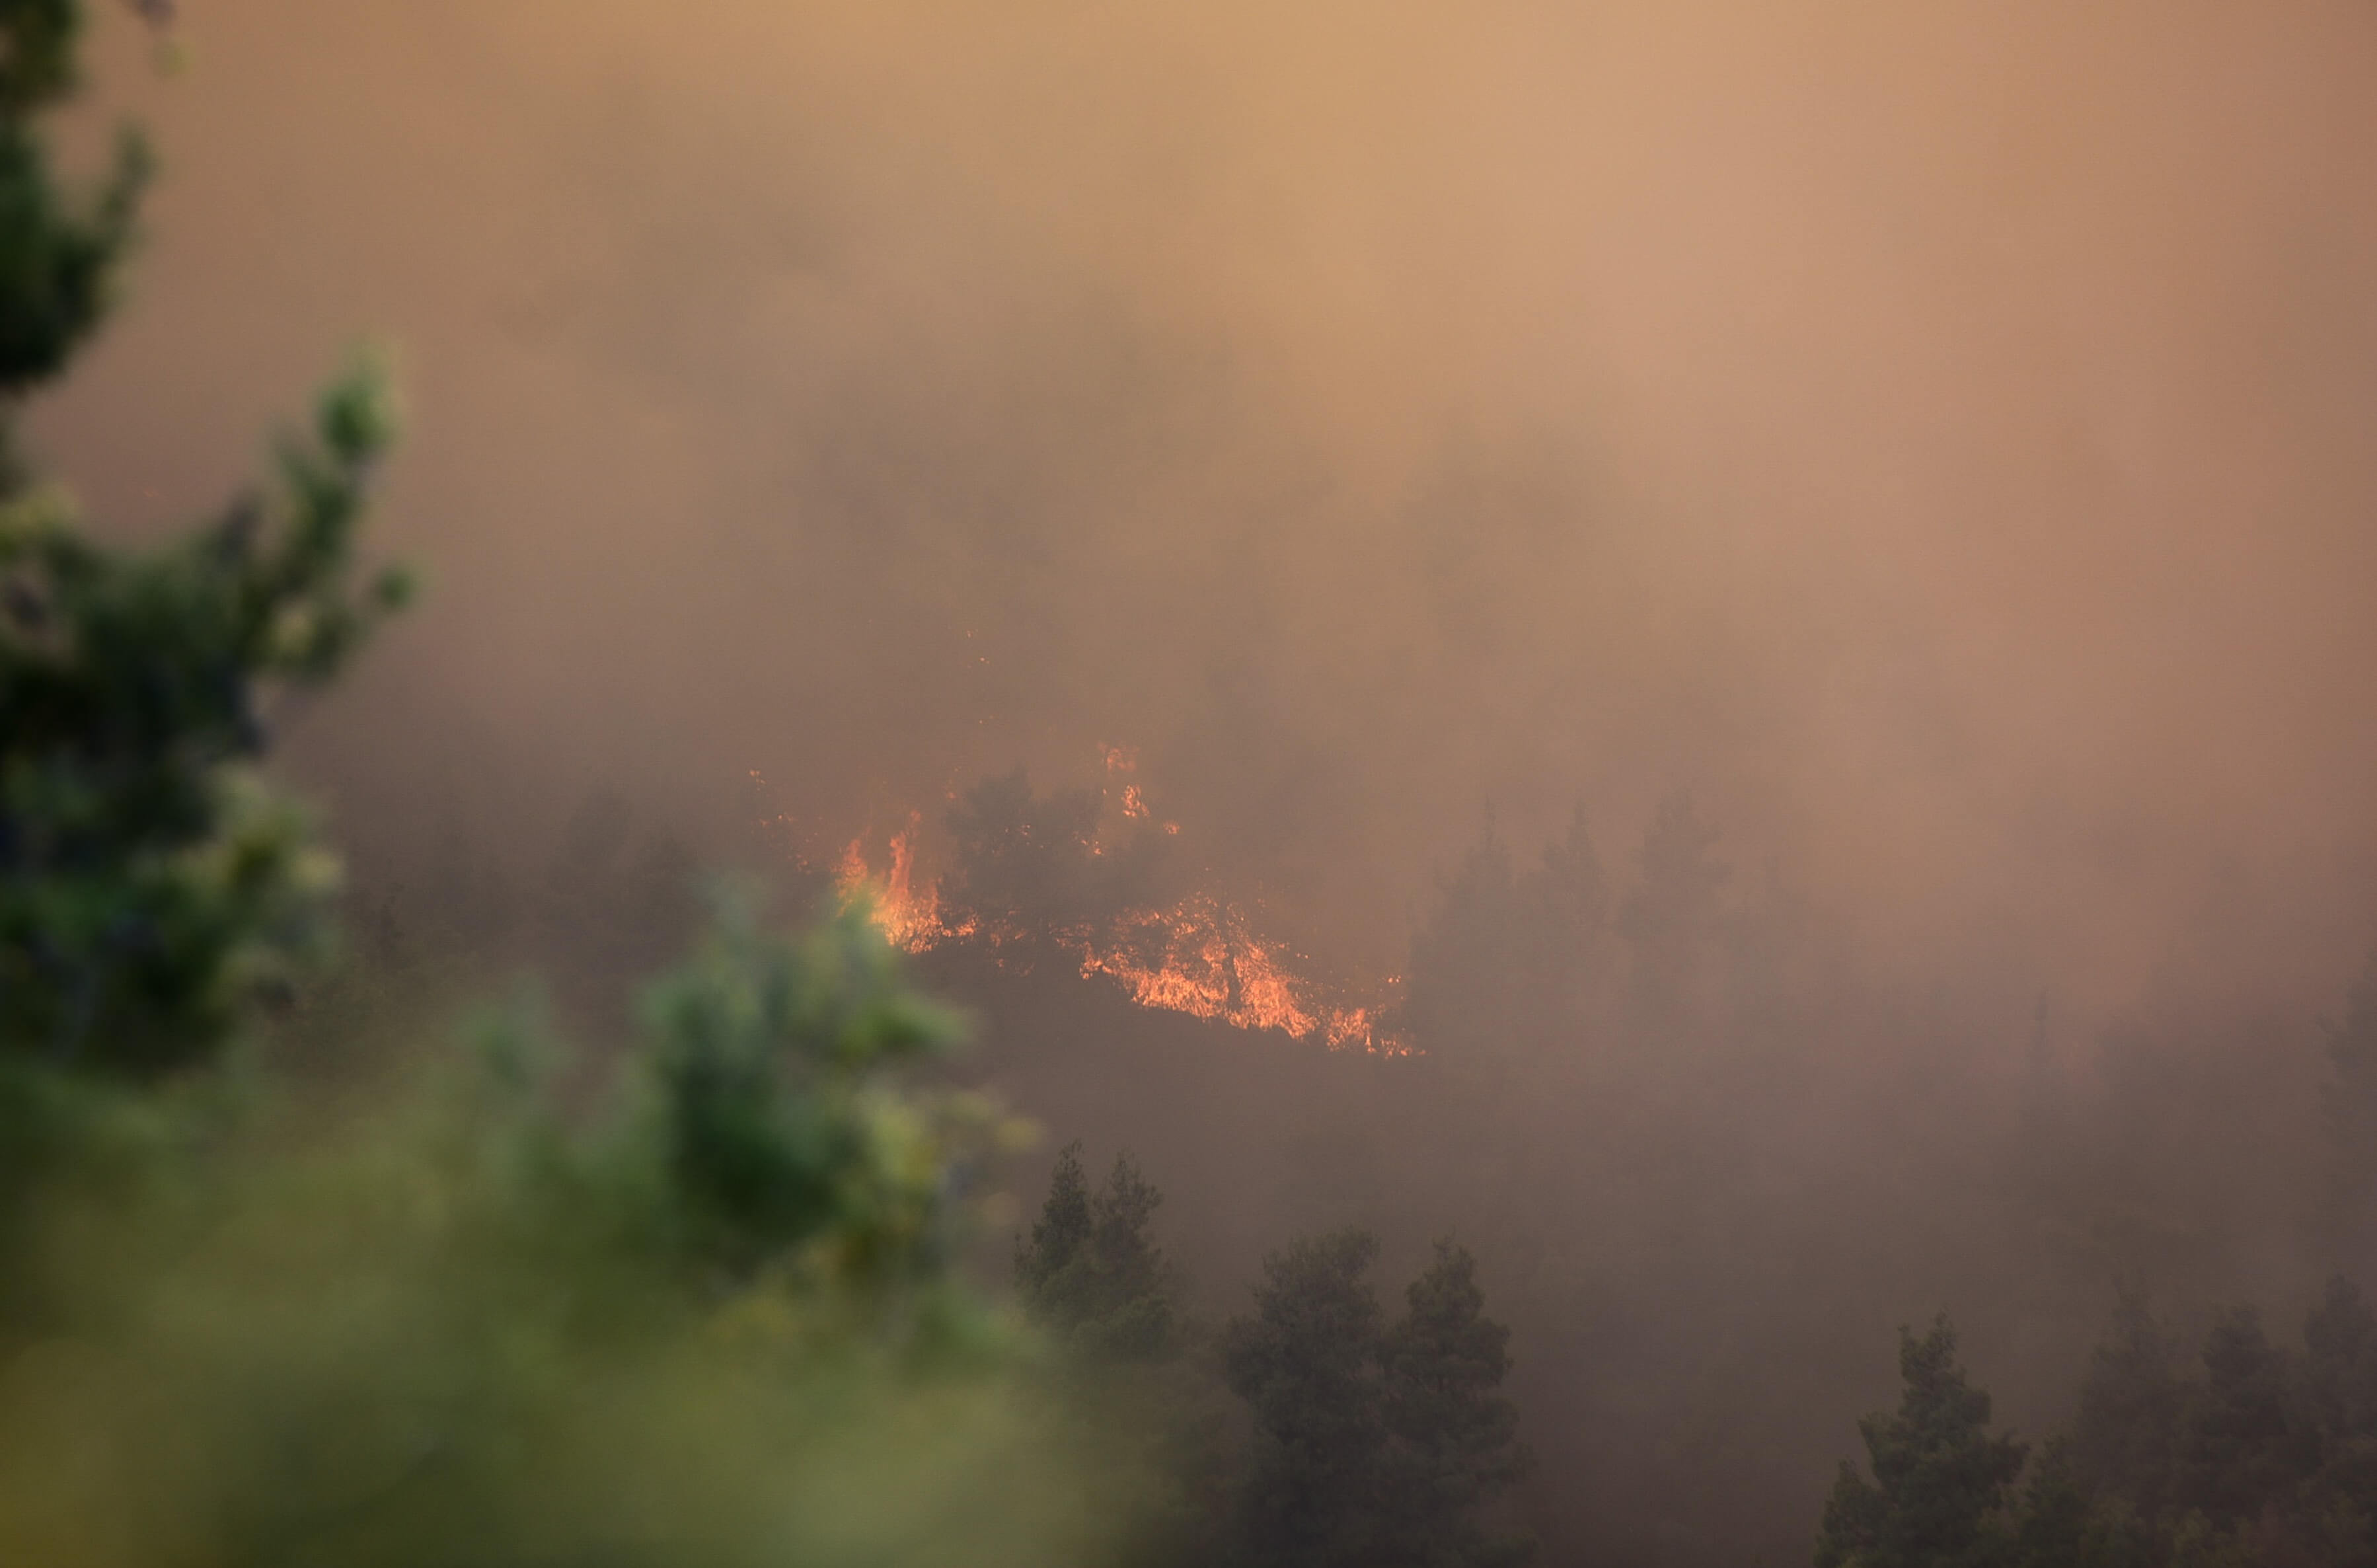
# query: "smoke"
{"type": "Point", "coordinates": [1937, 437]}
{"type": "Point", "coordinates": [1938, 440]}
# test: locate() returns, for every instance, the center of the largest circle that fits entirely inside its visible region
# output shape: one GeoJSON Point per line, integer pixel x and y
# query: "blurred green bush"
{"type": "Point", "coordinates": [442, 1312]}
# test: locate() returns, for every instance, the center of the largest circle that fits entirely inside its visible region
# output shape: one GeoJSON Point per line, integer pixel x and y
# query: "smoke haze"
{"type": "Point", "coordinates": [1937, 437]}
{"type": "Point", "coordinates": [1939, 441]}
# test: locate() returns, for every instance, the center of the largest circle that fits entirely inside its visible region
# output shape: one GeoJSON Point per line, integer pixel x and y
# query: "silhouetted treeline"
{"type": "Point", "coordinates": [2252, 1452]}
{"type": "Point", "coordinates": [1710, 1157]}
{"type": "Point", "coordinates": [1357, 1441]}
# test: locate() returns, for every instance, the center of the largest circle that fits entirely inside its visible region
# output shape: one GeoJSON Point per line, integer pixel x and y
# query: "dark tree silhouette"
{"type": "Point", "coordinates": [1092, 1273]}
{"type": "Point", "coordinates": [2240, 1452]}
{"type": "Point", "coordinates": [1455, 1436]}
{"type": "Point", "coordinates": [2132, 1403]}
{"type": "Point", "coordinates": [1029, 866]}
{"type": "Point", "coordinates": [1506, 964]}
{"type": "Point", "coordinates": [1938, 1493]}
{"type": "Point", "coordinates": [1673, 915]}
{"type": "Point", "coordinates": [2351, 1106]}
{"type": "Point", "coordinates": [1306, 1366]}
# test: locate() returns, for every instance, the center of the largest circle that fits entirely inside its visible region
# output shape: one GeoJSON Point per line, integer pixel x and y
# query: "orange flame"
{"type": "Point", "coordinates": [1203, 956]}
{"type": "Point", "coordinates": [912, 920]}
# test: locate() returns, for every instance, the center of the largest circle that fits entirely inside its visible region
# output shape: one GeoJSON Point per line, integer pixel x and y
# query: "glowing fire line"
{"type": "Point", "coordinates": [1201, 957]}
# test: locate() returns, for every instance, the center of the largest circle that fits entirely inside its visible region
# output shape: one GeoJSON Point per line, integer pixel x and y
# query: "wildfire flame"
{"type": "Point", "coordinates": [911, 919]}
{"type": "Point", "coordinates": [1201, 956]}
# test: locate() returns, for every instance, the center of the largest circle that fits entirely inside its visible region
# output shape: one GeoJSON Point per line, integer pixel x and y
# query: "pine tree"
{"type": "Point", "coordinates": [1092, 1273]}
{"type": "Point", "coordinates": [484, 1319]}
{"type": "Point", "coordinates": [2340, 1366]}
{"type": "Point", "coordinates": [1136, 1319]}
{"type": "Point", "coordinates": [1307, 1365]}
{"type": "Point", "coordinates": [1564, 927]}
{"type": "Point", "coordinates": [60, 252]}
{"type": "Point", "coordinates": [1508, 958]}
{"type": "Point", "coordinates": [770, 1102]}
{"type": "Point", "coordinates": [2061, 1528]}
{"type": "Point", "coordinates": [1062, 1230]}
{"type": "Point", "coordinates": [1938, 1492]}
{"type": "Point", "coordinates": [2340, 1406]}
{"type": "Point", "coordinates": [151, 884]}
{"type": "Point", "coordinates": [2351, 1106]}
{"type": "Point", "coordinates": [1455, 1436]}
{"type": "Point", "coordinates": [2240, 1453]}
{"type": "Point", "coordinates": [1460, 1002]}
{"type": "Point", "coordinates": [2054, 1512]}
{"type": "Point", "coordinates": [1673, 916]}
{"type": "Point", "coordinates": [2132, 1403]}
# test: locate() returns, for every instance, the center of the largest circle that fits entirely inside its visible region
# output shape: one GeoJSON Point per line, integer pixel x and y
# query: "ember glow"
{"type": "Point", "coordinates": [1201, 956]}
{"type": "Point", "coordinates": [912, 920]}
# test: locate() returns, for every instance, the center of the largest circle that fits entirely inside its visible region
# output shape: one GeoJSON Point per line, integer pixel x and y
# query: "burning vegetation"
{"type": "Point", "coordinates": [1103, 857]}
{"type": "Point", "coordinates": [1244, 399]}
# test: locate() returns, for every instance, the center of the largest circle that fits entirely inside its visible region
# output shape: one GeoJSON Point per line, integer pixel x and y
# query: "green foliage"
{"type": "Point", "coordinates": [1455, 1436]}
{"type": "Point", "coordinates": [468, 1324]}
{"type": "Point", "coordinates": [789, 1141]}
{"type": "Point", "coordinates": [1130, 1368]}
{"type": "Point", "coordinates": [2132, 1404]}
{"type": "Point", "coordinates": [1060, 1236]}
{"type": "Point", "coordinates": [1091, 1275]}
{"type": "Point", "coordinates": [1306, 1366]}
{"type": "Point", "coordinates": [1373, 1446]}
{"type": "Point", "coordinates": [2238, 1453]}
{"type": "Point", "coordinates": [60, 251]}
{"type": "Point", "coordinates": [2060, 1528]}
{"type": "Point", "coordinates": [150, 885]}
{"type": "Point", "coordinates": [696, 1309]}
{"type": "Point", "coordinates": [2269, 1458]}
{"type": "Point", "coordinates": [1938, 1493]}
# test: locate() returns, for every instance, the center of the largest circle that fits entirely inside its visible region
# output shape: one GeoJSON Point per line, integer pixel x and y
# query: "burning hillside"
{"type": "Point", "coordinates": [1075, 872]}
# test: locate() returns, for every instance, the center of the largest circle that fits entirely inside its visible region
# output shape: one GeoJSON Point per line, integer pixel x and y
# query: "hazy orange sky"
{"type": "Point", "coordinates": [1942, 436]}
